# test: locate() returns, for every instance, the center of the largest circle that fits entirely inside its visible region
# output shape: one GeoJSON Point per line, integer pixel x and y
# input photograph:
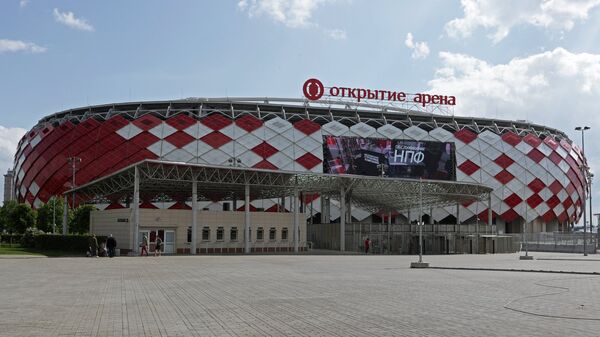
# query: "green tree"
{"type": "Point", "coordinates": [46, 215]}
{"type": "Point", "coordinates": [22, 217]}
{"type": "Point", "coordinates": [5, 213]}
{"type": "Point", "coordinates": [80, 222]}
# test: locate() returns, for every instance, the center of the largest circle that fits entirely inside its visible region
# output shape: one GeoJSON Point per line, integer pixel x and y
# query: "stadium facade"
{"type": "Point", "coordinates": [538, 175]}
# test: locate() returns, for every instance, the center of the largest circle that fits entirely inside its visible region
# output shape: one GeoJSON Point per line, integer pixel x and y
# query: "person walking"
{"type": "Point", "coordinates": [158, 247]}
{"type": "Point", "coordinates": [111, 244]}
{"type": "Point", "coordinates": [367, 245]}
{"type": "Point", "coordinates": [93, 246]}
{"type": "Point", "coordinates": [144, 245]}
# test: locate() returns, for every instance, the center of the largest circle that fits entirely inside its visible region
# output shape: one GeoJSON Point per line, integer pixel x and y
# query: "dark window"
{"type": "Point", "coordinates": [205, 233]}
{"type": "Point", "coordinates": [189, 234]}
{"type": "Point", "coordinates": [220, 231]}
{"type": "Point", "coordinates": [259, 234]}
{"type": "Point", "coordinates": [272, 233]}
{"type": "Point", "coordinates": [233, 234]}
{"type": "Point", "coordinates": [284, 233]}
{"type": "Point", "coordinates": [250, 234]}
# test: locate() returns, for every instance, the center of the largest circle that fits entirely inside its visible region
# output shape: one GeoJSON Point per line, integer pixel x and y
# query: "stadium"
{"type": "Point", "coordinates": [146, 165]}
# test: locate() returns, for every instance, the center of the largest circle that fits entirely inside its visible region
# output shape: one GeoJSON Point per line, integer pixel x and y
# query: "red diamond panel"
{"type": "Point", "coordinates": [180, 205]}
{"type": "Point", "coordinates": [551, 142]}
{"type": "Point", "coordinates": [504, 161]}
{"type": "Point", "coordinates": [570, 188]}
{"type": "Point", "coordinates": [536, 155]}
{"type": "Point", "coordinates": [307, 127]}
{"type": "Point", "coordinates": [216, 121]}
{"type": "Point", "coordinates": [265, 165]}
{"type": "Point", "coordinates": [549, 216]}
{"type": "Point", "coordinates": [146, 122]}
{"type": "Point", "coordinates": [552, 202]}
{"type": "Point", "coordinates": [467, 203]}
{"type": "Point", "coordinates": [181, 122]}
{"type": "Point", "coordinates": [468, 167]}
{"type": "Point", "coordinates": [504, 177]}
{"type": "Point", "coordinates": [308, 160]}
{"type": "Point", "coordinates": [532, 140]}
{"type": "Point", "coordinates": [511, 138]}
{"type": "Point", "coordinates": [555, 158]}
{"type": "Point", "coordinates": [465, 135]}
{"type": "Point", "coordinates": [248, 123]}
{"type": "Point", "coordinates": [144, 139]}
{"type": "Point", "coordinates": [536, 185]}
{"type": "Point", "coordinates": [513, 200]}
{"type": "Point", "coordinates": [555, 187]}
{"type": "Point", "coordinates": [264, 150]}
{"type": "Point", "coordinates": [565, 145]}
{"type": "Point", "coordinates": [510, 215]}
{"type": "Point", "coordinates": [147, 205]}
{"type": "Point", "coordinates": [180, 139]}
{"type": "Point", "coordinates": [483, 216]}
{"type": "Point", "coordinates": [216, 139]}
{"type": "Point", "coordinates": [534, 200]}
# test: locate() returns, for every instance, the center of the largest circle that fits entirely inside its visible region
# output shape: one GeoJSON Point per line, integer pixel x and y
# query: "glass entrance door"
{"type": "Point", "coordinates": [169, 242]}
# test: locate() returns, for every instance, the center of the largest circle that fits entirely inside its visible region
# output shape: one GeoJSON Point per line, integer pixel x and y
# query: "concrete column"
{"type": "Point", "coordinates": [194, 217]}
{"type": "Point", "coordinates": [247, 219]}
{"type": "Point", "coordinates": [458, 217]}
{"type": "Point", "coordinates": [342, 220]}
{"type": "Point", "coordinates": [65, 216]}
{"type": "Point", "coordinates": [136, 211]}
{"type": "Point", "coordinates": [490, 223]}
{"type": "Point", "coordinates": [296, 220]}
{"type": "Point", "coordinates": [349, 207]}
{"type": "Point", "coordinates": [325, 209]}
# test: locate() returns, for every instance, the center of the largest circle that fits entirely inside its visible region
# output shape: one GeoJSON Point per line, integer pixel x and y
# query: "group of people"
{"type": "Point", "coordinates": [108, 248]}
{"type": "Point", "coordinates": [105, 249]}
{"type": "Point", "coordinates": [158, 247]}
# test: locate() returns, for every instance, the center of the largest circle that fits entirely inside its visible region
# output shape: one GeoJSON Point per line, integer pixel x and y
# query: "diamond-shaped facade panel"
{"type": "Point", "coordinates": [216, 121]}
{"type": "Point", "coordinates": [465, 135]}
{"type": "Point", "coordinates": [216, 139]}
{"type": "Point", "coordinates": [468, 167]}
{"type": "Point", "coordinates": [308, 161]}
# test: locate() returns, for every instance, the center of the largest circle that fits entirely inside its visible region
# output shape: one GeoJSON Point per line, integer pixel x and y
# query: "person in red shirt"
{"type": "Point", "coordinates": [367, 244]}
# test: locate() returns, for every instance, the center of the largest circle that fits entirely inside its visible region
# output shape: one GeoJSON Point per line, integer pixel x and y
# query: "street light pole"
{"type": "Point", "coordinates": [420, 224]}
{"type": "Point", "coordinates": [73, 161]}
{"type": "Point", "coordinates": [591, 176]}
{"type": "Point", "coordinates": [582, 129]}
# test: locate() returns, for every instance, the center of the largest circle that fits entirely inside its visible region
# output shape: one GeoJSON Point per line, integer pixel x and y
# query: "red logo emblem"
{"type": "Point", "coordinates": [313, 89]}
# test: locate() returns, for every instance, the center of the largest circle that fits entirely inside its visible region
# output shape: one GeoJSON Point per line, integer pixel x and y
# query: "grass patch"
{"type": "Point", "coordinates": [16, 249]}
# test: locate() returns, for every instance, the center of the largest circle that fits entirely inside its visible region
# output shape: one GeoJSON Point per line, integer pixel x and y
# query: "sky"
{"type": "Point", "coordinates": [537, 60]}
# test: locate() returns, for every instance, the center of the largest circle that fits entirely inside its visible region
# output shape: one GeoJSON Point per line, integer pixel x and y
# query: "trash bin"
{"type": "Point", "coordinates": [117, 252]}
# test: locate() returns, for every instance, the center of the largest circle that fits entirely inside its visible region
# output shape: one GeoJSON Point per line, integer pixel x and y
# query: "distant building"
{"type": "Point", "coordinates": [8, 186]}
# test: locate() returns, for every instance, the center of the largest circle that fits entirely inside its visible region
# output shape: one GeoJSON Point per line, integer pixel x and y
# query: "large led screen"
{"type": "Point", "coordinates": [392, 158]}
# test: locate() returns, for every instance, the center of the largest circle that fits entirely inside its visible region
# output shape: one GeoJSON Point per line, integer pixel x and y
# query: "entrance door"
{"type": "Point", "coordinates": [169, 242]}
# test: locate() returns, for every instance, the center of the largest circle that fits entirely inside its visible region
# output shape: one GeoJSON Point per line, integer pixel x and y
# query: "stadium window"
{"type": "Point", "coordinates": [220, 231]}
{"type": "Point", "coordinates": [233, 234]}
{"type": "Point", "coordinates": [250, 234]}
{"type": "Point", "coordinates": [272, 234]}
{"type": "Point", "coordinates": [284, 234]}
{"type": "Point", "coordinates": [206, 233]}
{"type": "Point", "coordinates": [189, 234]}
{"type": "Point", "coordinates": [259, 234]}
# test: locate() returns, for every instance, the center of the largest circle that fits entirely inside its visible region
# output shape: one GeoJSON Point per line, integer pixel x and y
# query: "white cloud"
{"type": "Point", "coordinates": [337, 34]}
{"type": "Point", "coordinates": [23, 3]}
{"type": "Point", "coordinates": [69, 19]}
{"type": "Point", "coordinates": [420, 49]}
{"type": "Point", "coordinates": [9, 139]}
{"type": "Point", "coordinates": [502, 16]}
{"type": "Point", "coordinates": [292, 13]}
{"type": "Point", "coordinates": [17, 46]}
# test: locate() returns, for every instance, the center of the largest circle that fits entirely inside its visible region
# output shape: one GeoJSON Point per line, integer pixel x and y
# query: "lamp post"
{"type": "Point", "coordinates": [582, 129]}
{"type": "Point", "coordinates": [590, 177]}
{"type": "Point", "coordinates": [73, 161]}
{"type": "Point", "coordinates": [420, 264]}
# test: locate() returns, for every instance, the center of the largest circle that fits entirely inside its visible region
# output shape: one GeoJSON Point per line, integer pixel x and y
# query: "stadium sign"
{"type": "Point", "coordinates": [313, 90]}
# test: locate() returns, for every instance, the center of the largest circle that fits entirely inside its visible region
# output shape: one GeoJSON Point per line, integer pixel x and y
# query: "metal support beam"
{"type": "Point", "coordinates": [194, 217]}
{"type": "Point", "coordinates": [490, 223]}
{"type": "Point", "coordinates": [342, 220]}
{"type": "Point", "coordinates": [136, 212]}
{"type": "Point", "coordinates": [65, 216]}
{"type": "Point", "coordinates": [247, 219]}
{"type": "Point", "coordinates": [296, 220]}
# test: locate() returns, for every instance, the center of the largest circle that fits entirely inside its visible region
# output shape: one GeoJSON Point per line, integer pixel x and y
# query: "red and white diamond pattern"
{"type": "Point", "coordinates": [531, 177]}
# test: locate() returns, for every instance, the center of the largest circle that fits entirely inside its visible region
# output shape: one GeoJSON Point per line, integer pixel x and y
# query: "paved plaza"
{"type": "Point", "coordinates": [306, 295]}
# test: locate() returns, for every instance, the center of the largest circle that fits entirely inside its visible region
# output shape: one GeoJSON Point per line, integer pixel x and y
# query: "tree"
{"type": "Point", "coordinates": [22, 217]}
{"type": "Point", "coordinates": [80, 222]}
{"type": "Point", "coordinates": [48, 213]}
{"type": "Point", "coordinates": [5, 211]}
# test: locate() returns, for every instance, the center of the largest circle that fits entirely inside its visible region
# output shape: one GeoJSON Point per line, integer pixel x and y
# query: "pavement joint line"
{"type": "Point", "coordinates": [556, 259]}
{"type": "Point", "coordinates": [520, 270]}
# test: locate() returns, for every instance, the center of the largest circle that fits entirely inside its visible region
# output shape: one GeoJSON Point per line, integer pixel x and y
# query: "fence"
{"type": "Point", "coordinates": [555, 242]}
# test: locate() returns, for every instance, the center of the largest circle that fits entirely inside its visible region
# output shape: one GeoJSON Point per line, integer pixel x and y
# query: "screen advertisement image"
{"type": "Point", "coordinates": [397, 158]}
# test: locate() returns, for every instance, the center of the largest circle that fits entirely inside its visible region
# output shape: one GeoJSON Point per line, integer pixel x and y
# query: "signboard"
{"type": "Point", "coordinates": [314, 89]}
{"type": "Point", "coordinates": [392, 158]}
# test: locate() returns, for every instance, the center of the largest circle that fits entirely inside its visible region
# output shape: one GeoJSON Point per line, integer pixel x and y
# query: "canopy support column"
{"type": "Point", "coordinates": [65, 215]}
{"type": "Point", "coordinates": [247, 219]}
{"type": "Point", "coordinates": [296, 220]}
{"type": "Point", "coordinates": [136, 211]}
{"type": "Point", "coordinates": [342, 220]}
{"type": "Point", "coordinates": [194, 217]}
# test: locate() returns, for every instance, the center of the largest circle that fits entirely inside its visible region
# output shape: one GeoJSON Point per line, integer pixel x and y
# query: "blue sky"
{"type": "Point", "coordinates": [524, 59]}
